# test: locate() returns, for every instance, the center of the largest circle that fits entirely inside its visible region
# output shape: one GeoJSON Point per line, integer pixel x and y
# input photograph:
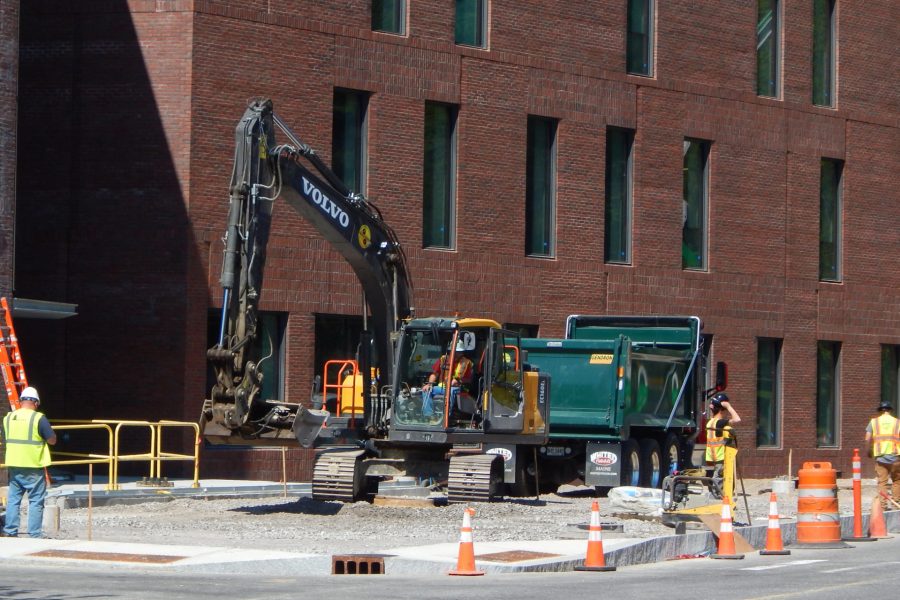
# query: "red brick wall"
{"type": "Point", "coordinates": [9, 83]}
{"type": "Point", "coordinates": [200, 61]}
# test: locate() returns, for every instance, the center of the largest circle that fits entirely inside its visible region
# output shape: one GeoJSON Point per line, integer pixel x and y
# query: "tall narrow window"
{"type": "Point", "coordinates": [696, 184]}
{"type": "Point", "coordinates": [828, 394]}
{"type": "Point", "coordinates": [890, 376]}
{"type": "Point", "coordinates": [639, 44]}
{"type": "Point", "coordinates": [540, 187]}
{"type": "Point", "coordinates": [768, 393]}
{"type": "Point", "coordinates": [617, 238]}
{"type": "Point", "coordinates": [471, 23]}
{"type": "Point", "coordinates": [348, 138]}
{"type": "Point", "coordinates": [439, 165]}
{"type": "Point", "coordinates": [823, 52]}
{"type": "Point", "coordinates": [767, 47]}
{"type": "Point", "coordinates": [830, 220]}
{"type": "Point", "coordinates": [388, 16]}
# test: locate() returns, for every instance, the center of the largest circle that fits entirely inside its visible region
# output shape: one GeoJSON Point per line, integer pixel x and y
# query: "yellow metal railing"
{"type": "Point", "coordinates": [154, 456]}
{"type": "Point", "coordinates": [82, 458]}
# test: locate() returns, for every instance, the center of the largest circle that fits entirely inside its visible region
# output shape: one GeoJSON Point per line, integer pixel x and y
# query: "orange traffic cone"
{"type": "Point", "coordinates": [465, 563]}
{"type": "Point", "coordinates": [594, 560]}
{"type": "Point", "coordinates": [774, 544]}
{"type": "Point", "coordinates": [877, 526]}
{"type": "Point", "coordinates": [726, 534]}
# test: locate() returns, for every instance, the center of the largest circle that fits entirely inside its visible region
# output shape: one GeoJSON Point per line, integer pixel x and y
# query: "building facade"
{"type": "Point", "coordinates": [537, 159]}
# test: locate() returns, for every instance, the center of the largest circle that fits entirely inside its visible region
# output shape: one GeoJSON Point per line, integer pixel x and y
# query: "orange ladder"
{"type": "Point", "coordinates": [10, 358]}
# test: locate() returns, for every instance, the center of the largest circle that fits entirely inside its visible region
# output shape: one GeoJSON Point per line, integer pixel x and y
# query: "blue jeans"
{"type": "Point", "coordinates": [437, 390]}
{"type": "Point", "coordinates": [22, 480]}
{"type": "Point", "coordinates": [428, 399]}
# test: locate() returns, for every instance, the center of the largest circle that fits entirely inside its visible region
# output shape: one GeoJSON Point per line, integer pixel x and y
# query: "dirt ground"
{"type": "Point", "coordinates": [305, 525]}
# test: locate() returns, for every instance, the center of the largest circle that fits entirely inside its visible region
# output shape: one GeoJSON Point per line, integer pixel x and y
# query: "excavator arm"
{"type": "Point", "coordinates": [264, 172]}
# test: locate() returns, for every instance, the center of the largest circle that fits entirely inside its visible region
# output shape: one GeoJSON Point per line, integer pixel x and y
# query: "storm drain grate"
{"type": "Point", "coordinates": [357, 564]}
{"type": "Point", "coordinates": [514, 556]}
{"type": "Point", "coordinates": [155, 559]}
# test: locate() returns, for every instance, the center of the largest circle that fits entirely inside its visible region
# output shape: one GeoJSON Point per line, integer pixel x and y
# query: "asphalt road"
{"type": "Point", "coordinates": [864, 571]}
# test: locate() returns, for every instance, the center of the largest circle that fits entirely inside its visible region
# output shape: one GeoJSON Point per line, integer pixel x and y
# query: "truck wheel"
{"type": "Point", "coordinates": [671, 454]}
{"type": "Point", "coordinates": [631, 463]}
{"type": "Point", "coordinates": [651, 464]}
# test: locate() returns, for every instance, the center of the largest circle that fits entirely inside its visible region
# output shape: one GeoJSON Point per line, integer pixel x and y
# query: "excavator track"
{"type": "Point", "coordinates": [335, 476]}
{"type": "Point", "coordinates": [474, 478]}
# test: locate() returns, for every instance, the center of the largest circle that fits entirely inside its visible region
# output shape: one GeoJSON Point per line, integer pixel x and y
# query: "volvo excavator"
{"type": "Point", "coordinates": [398, 411]}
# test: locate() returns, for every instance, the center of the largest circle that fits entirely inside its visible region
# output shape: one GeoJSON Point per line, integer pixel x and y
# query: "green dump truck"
{"type": "Point", "coordinates": [625, 395]}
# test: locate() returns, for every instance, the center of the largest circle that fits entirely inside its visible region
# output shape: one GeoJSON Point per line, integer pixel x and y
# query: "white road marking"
{"type": "Point", "coordinates": [868, 566]}
{"type": "Point", "coordinates": [793, 563]}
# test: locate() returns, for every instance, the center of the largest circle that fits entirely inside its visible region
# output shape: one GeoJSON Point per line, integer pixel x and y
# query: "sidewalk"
{"type": "Point", "coordinates": [436, 559]}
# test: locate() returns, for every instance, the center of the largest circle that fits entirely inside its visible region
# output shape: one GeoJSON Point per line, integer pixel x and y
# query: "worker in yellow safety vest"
{"type": "Point", "coordinates": [719, 433]}
{"type": "Point", "coordinates": [884, 433]}
{"type": "Point", "coordinates": [26, 435]}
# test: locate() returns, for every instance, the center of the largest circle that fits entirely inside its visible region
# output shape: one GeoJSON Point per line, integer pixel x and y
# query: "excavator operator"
{"type": "Point", "coordinates": [461, 378]}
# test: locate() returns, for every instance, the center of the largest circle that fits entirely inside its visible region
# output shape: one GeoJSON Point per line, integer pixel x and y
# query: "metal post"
{"type": "Point", "coordinates": [90, 533]}
{"type": "Point", "coordinates": [284, 469]}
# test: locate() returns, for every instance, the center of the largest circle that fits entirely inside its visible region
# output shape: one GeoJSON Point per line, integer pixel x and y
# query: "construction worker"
{"type": "Point", "coordinates": [27, 434]}
{"type": "Point", "coordinates": [884, 433]}
{"type": "Point", "coordinates": [719, 434]}
{"type": "Point", "coordinates": [461, 377]}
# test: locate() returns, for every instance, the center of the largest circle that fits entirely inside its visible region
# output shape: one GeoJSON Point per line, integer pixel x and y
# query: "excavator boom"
{"type": "Point", "coordinates": [264, 172]}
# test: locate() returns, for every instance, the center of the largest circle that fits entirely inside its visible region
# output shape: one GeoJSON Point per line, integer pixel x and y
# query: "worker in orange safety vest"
{"type": "Point", "coordinates": [884, 433]}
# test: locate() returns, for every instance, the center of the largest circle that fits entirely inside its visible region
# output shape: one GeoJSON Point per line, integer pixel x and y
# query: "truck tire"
{"type": "Point", "coordinates": [651, 464]}
{"type": "Point", "coordinates": [631, 463]}
{"type": "Point", "coordinates": [671, 454]}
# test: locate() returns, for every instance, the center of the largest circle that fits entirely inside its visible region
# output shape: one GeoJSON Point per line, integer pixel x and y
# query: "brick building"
{"type": "Point", "coordinates": [536, 159]}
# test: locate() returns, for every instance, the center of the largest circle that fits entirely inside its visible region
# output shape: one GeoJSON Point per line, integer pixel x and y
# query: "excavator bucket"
{"type": "Point", "coordinates": [308, 424]}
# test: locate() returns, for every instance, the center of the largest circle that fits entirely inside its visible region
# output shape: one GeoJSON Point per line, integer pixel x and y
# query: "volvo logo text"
{"type": "Point", "coordinates": [325, 203]}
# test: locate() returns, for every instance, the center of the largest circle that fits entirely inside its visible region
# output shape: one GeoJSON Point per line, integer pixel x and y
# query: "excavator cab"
{"type": "Point", "coordinates": [439, 373]}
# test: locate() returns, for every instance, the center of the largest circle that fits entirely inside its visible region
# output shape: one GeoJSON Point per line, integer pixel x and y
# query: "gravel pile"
{"type": "Point", "coordinates": [305, 525]}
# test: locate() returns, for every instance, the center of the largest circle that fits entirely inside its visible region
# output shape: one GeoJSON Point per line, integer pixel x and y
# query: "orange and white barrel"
{"type": "Point", "coordinates": [818, 517]}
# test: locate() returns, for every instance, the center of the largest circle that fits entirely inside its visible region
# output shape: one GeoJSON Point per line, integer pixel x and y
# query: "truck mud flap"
{"type": "Point", "coordinates": [474, 478]}
{"type": "Point", "coordinates": [336, 476]}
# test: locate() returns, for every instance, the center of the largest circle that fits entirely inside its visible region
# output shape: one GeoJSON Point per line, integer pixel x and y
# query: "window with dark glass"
{"type": "Point", "coordinates": [828, 393]}
{"type": "Point", "coordinates": [823, 47]}
{"type": "Point", "coordinates": [348, 138]}
{"type": "Point", "coordinates": [617, 230]}
{"type": "Point", "coordinates": [830, 220]}
{"type": "Point", "coordinates": [768, 392]}
{"type": "Point", "coordinates": [525, 331]}
{"type": "Point", "coordinates": [268, 351]}
{"type": "Point", "coordinates": [388, 15]}
{"type": "Point", "coordinates": [890, 376]}
{"type": "Point", "coordinates": [439, 167]}
{"type": "Point", "coordinates": [337, 337]}
{"type": "Point", "coordinates": [639, 43]}
{"type": "Point", "coordinates": [540, 187]}
{"type": "Point", "coordinates": [767, 47]}
{"type": "Point", "coordinates": [471, 23]}
{"type": "Point", "coordinates": [696, 185]}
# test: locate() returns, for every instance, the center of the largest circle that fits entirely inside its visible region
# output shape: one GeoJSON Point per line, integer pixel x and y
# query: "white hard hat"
{"type": "Point", "coordinates": [30, 393]}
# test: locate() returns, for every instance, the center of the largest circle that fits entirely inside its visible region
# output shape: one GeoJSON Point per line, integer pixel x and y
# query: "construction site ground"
{"type": "Point", "coordinates": [268, 523]}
